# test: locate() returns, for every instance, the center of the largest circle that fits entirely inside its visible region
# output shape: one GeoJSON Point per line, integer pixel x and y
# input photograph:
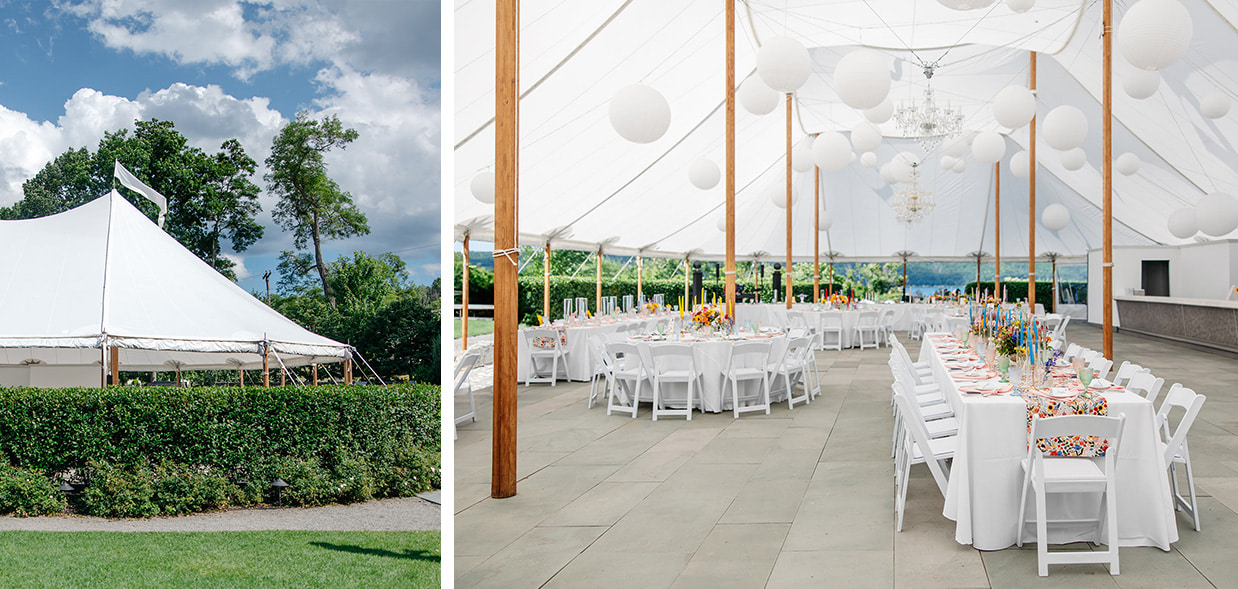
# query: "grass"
{"type": "Point", "coordinates": [476, 327]}
{"type": "Point", "coordinates": [220, 559]}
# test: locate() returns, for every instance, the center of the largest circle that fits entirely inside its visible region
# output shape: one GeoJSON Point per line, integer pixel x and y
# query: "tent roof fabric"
{"type": "Point", "coordinates": [582, 185]}
{"type": "Point", "coordinates": [103, 274]}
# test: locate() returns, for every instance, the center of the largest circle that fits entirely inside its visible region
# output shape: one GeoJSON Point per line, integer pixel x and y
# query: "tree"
{"type": "Point", "coordinates": [311, 204]}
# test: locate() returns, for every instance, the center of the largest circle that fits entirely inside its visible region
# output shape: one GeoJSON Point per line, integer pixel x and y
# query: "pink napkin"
{"type": "Point", "coordinates": [985, 376]}
{"type": "Point", "coordinates": [1006, 388]}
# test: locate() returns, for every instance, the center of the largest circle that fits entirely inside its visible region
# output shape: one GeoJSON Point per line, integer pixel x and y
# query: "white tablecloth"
{"type": "Point", "coordinates": [985, 476]}
{"type": "Point", "coordinates": [579, 358]}
{"type": "Point", "coordinates": [711, 357]}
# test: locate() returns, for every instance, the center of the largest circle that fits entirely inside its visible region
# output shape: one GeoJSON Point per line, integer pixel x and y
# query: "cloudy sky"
{"type": "Point", "coordinates": [221, 69]}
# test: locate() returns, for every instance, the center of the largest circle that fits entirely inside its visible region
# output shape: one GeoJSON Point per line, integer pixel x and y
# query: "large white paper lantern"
{"type": "Point", "coordinates": [1055, 217]}
{"type": "Point", "coordinates": [825, 221]}
{"type": "Point", "coordinates": [960, 164]}
{"type": "Point", "coordinates": [1020, 5]}
{"type": "Point", "coordinates": [1214, 105]}
{"type": "Point", "coordinates": [1014, 106]}
{"type": "Point", "coordinates": [482, 187]}
{"type": "Point", "coordinates": [778, 196]}
{"type": "Point", "coordinates": [831, 151]}
{"type": "Point", "coordinates": [1140, 84]}
{"type": "Point", "coordinates": [887, 173]}
{"type": "Point", "coordinates": [1073, 159]}
{"type": "Point", "coordinates": [956, 147]}
{"type": "Point", "coordinates": [1020, 164]}
{"type": "Point", "coordinates": [721, 223]}
{"type": "Point", "coordinates": [988, 147]}
{"type": "Point", "coordinates": [1126, 164]}
{"type": "Point", "coordinates": [801, 156]}
{"type": "Point", "coordinates": [704, 174]}
{"type": "Point", "coordinates": [1216, 214]}
{"type": "Point", "coordinates": [756, 97]}
{"type": "Point", "coordinates": [880, 113]}
{"type": "Point", "coordinates": [1154, 34]}
{"type": "Point", "coordinates": [783, 64]}
{"type": "Point", "coordinates": [865, 136]}
{"type": "Point", "coordinates": [862, 79]}
{"type": "Point", "coordinates": [903, 166]}
{"type": "Point", "coordinates": [947, 162]}
{"type": "Point", "coordinates": [868, 160]}
{"type": "Point", "coordinates": [965, 4]}
{"type": "Point", "coordinates": [1065, 127]}
{"type": "Point", "coordinates": [640, 114]}
{"type": "Point", "coordinates": [1182, 223]}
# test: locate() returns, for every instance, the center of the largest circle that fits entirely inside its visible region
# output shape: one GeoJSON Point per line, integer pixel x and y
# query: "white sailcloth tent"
{"type": "Point", "coordinates": [103, 276]}
{"type": "Point", "coordinates": [582, 185]}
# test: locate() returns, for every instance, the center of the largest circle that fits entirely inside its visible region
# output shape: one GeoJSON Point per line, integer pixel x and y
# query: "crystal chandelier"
{"type": "Point", "coordinates": [927, 122]}
{"type": "Point", "coordinates": [912, 202]}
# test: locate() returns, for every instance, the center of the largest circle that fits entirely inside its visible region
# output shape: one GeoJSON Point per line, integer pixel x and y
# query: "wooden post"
{"type": "Point", "coordinates": [506, 141]}
{"type": "Point", "coordinates": [997, 235]}
{"type": "Point", "coordinates": [115, 365]}
{"type": "Point", "coordinates": [904, 279]}
{"type": "Point", "coordinates": [816, 234]}
{"type": "Point", "coordinates": [597, 305]}
{"type": "Point", "coordinates": [283, 377]}
{"type": "Point", "coordinates": [730, 157]}
{"type": "Point", "coordinates": [241, 376]}
{"type": "Point", "coordinates": [266, 367]}
{"type": "Point", "coordinates": [687, 281]}
{"type": "Point", "coordinates": [315, 381]}
{"type": "Point", "coordinates": [347, 370]}
{"type": "Point", "coordinates": [178, 377]}
{"type": "Point", "coordinates": [787, 277]}
{"type": "Point", "coordinates": [546, 284]}
{"type": "Point", "coordinates": [1031, 205]}
{"type": "Point", "coordinates": [1107, 175]}
{"type": "Point", "coordinates": [831, 287]}
{"type": "Point", "coordinates": [464, 307]}
{"type": "Point", "coordinates": [103, 365]}
{"type": "Point", "coordinates": [639, 271]}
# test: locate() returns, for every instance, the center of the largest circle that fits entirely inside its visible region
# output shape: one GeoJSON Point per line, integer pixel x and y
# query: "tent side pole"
{"type": "Point", "coordinates": [730, 157]}
{"type": "Point", "coordinates": [464, 296]}
{"type": "Point", "coordinates": [506, 141]}
{"type": "Point", "coordinates": [115, 365]}
{"type": "Point", "coordinates": [103, 365]}
{"type": "Point", "coordinates": [639, 278]}
{"type": "Point", "coordinates": [1031, 203]}
{"type": "Point", "coordinates": [266, 366]}
{"type": "Point", "coordinates": [997, 234]}
{"type": "Point", "coordinates": [347, 370]}
{"type": "Point", "coordinates": [315, 375]}
{"type": "Point", "coordinates": [816, 234]}
{"type": "Point", "coordinates": [546, 284]}
{"type": "Point", "coordinates": [787, 278]}
{"type": "Point", "coordinates": [597, 304]}
{"type": "Point", "coordinates": [1107, 175]}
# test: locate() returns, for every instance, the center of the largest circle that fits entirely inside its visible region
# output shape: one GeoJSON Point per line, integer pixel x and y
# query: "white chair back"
{"type": "Point", "coordinates": [1147, 385]}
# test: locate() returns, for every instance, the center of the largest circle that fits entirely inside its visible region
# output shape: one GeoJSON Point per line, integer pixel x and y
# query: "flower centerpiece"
{"type": "Point", "coordinates": [708, 318]}
{"type": "Point", "coordinates": [651, 307]}
{"type": "Point", "coordinates": [839, 301]}
{"type": "Point", "coordinates": [1006, 344]}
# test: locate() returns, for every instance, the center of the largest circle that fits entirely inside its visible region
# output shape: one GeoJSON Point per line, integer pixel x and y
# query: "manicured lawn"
{"type": "Point", "coordinates": [476, 327]}
{"type": "Point", "coordinates": [220, 559]}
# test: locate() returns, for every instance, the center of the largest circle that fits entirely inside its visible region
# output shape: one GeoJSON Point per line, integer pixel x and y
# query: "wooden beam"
{"type": "Point", "coordinates": [997, 234]}
{"type": "Point", "coordinates": [506, 142]}
{"type": "Point", "coordinates": [730, 157]}
{"type": "Point", "coordinates": [816, 234]}
{"type": "Point", "coordinates": [464, 312]}
{"type": "Point", "coordinates": [1107, 175]}
{"type": "Point", "coordinates": [1031, 204]}
{"type": "Point", "coordinates": [787, 274]}
{"type": "Point", "coordinates": [115, 364]}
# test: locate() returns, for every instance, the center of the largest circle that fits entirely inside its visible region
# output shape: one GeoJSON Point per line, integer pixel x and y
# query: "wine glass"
{"type": "Point", "coordinates": [1085, 375]}
{"type": "Point", "coordinates": [1077, 364]}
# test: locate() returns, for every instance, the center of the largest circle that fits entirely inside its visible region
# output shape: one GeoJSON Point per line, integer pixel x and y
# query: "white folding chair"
{"type": "Point", "coordinates": [1072, 350]}
{"type": "Point", "coordinates": [749, 361]}
{"type": "Point", "coordinates": [885, 326]}
{"type": "Point", "coordinates": [1100, 366]}
{"type": "Point", "coordinates": [917, 323]}
{"type": "Point", "coordinates": [674, 363]}
{"type": "Point", "coordinates": [462, 386]}
{"type": "Point", "coordinates": [793, 369]}
{"type": "Point", "coordinates": [1147, 385]}
{"type": "Point", "coordinates": [544, 344]}
{"type": "Point", "coordinates": [1174, 446]}
{"type": "Point", "coordinates": [1045, 475]}
{"type": "Point", "coordinates": [603, 369]}
{"type": "Point", "coordinates": [629, 372]}
{"type": "Point", "coordinates": [918, 448]}
{"type": "Point", "coordinates": [867, 325]}
{"type": "Point", "coordinates": [831, 324]}
{"type": "Point", "coordinates": [1060, 331]}
{"type": "Point", "coordinates": [1126, 371]}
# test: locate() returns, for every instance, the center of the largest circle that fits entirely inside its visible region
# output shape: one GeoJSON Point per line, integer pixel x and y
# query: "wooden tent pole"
{"type": "Point", "coordinates": [1031, 205]}
{"type": "Point", "coordinates": [464, 311]}
{"type": "Point", "coordinates": [730, 157]}
{"type": "Point", "coordinates": [241, 376]}
{"type": "Point", "coordinates": [315, 375]}
{"type": "Point", "coordinates": [115, 365]}
{"type": "Point", "coordinates": [266, 366]}
{"type": "Point", "coordinates": [997, 235]}
{"type": "Point", "coordinates": [506, 141]}
{"type": "Point", "coordinates": [640, 270]}
{"type": "Point", "coordinates": [546, 284]}
{"type": "Point", "coordinates": [816, 234]}
{"type": "Point", "coordinates": [1107, 175]}
{"type": "Point", "coordinates": [283, 377]}
{"type": "Point", "coordinates": [787, 274]}
{"type": "Point", "coordinates": [687, 278]}
{"type": "Point", "coordinates": [103, 365]}
{"type": "Point", "coordinates": [597, 305]}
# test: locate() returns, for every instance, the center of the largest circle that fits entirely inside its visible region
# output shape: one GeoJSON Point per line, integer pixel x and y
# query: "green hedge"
{"type": "Point", "coordinates": [1017, 289]}
{"type": "Point", "coordinates": [563, 287]}
{"type": "Point", "coordinates": [143, 451]}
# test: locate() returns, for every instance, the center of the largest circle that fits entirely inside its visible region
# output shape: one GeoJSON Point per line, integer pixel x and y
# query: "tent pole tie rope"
{"type": "Point", "coordinates": [367, 365]}
{"type": "Point", "coordinates": [328, 373]}
{"type": "Point", "coordinates": [285, 369]}
{"type": "Point", "coordinates": [512, 255]}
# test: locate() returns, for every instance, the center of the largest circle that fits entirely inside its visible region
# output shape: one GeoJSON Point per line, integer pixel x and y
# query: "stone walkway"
{"type": "Point", "coordinates": [799, 498]}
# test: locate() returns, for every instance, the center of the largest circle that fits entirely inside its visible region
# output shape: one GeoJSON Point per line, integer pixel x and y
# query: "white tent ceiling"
{"type": "Point", "coordinates": [103, 273]}
{"type": "Point", "coordinates": [582, 185]}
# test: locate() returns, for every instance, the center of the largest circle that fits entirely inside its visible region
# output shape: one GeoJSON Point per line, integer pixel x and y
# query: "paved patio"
{"type": "Point", "coordinates": [799, 498]}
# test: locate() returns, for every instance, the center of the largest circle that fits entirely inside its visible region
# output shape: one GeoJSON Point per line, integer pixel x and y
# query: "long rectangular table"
{"type": "Point", "coordinates": [985, 477]}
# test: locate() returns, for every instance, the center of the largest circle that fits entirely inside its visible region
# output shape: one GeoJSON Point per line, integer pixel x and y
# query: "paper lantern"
{"type": "Point", "coordinates": [1214, 105]}
{"type": "Point", "coordinates": [868, 160]}
{"type": "Point", "coordinates": [880, 113]}
{"type": "Point", "coordinates": [831, 151]}
{"type": "Point", "coordinates": [1182, 223]}
{"type": "Point", "coordinates": [1055, 217]}
{"type": "Point", "coordinates": [947, 162]}
{"type": "Point", "coordinates": [957, 146]}
{"type": "Point", "coordinates": [1020, 164]}
{"type": "Point", "coordinates": [640, 114]}
{"type": "Point", "coordinates": [965, 4]}
{"type": "Point", "coordinates": [960, 164]}
{"type": "Point", "coordinates": [1126, 164]}
{"type": "Point", "coordinates": [1074, 159]}
{"type": "Point", "coordinates": [756, 97]}
{"type": "Point", "coordinates": [704, 174]}
{"type": "Point", "coordinates": [1014, 106]}
{"type": "Point", "coordinates": [825, 221]}
{"type": "Point", "coordinates": [903, 166]}
{"type": "Point", "coordinates": [721, 223]}
{"type": "Point", "coordinates": [783, 64]}
{"type": "Point", "coordinates": [851, 158]}
{"type": "Point", "coordinates": [1216, 214]}
{"type": "Point", "coordinates": [988, 147]}
{"type": "Point", "coordinates": [887, 173]}
{"type": "Point", "coordinates": [778, 196]}
{"type": "Point", "coordinates": [1140, 84]}
{"type": "Point", "coordinates": [862, 79]}
{"type": "Point", "coordinates": [801, 156]}
{"type": "Point", "coordinates": [1020, 5]}
{"type": "Point", "coordinates": [865, 136]}
{"type": "Point", "coordinates": [1065, 127]}
{"type": "Point", "coordinates": [482, 187]}
{"type": "Point", "coordinates": [1154, 34]}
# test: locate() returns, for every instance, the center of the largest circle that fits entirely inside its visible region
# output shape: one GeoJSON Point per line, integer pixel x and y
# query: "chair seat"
{"type": "Point", "coordinates": [1072, 475]}
{"type": "Point", "coordinates": [946, 426]}
{"type": "Point", "coordinates": [940, 447]}
{"type": "Point", "coordinates": [936, 411]}
{"type": "Point", "coordinates": [746, 373]}
{"type": "Point", "coordinates": [680, 374]}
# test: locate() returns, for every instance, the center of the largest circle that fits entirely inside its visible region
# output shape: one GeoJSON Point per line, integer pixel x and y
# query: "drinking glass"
{"type": "Point", "coordinates": [1077, 364]}
{"type": "Point", "coordinates": [1085, 375]}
